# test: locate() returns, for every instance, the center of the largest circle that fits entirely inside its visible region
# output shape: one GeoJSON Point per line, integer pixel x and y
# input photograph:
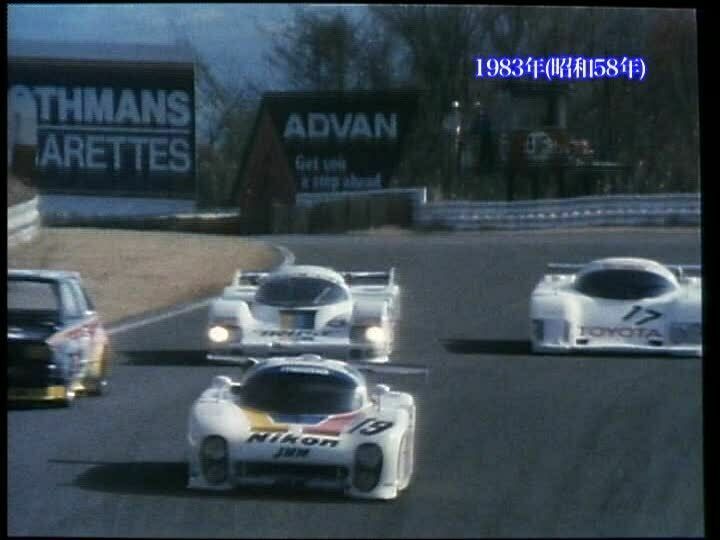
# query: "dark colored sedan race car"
{"type": "Point", "coordinates": [57, 346]}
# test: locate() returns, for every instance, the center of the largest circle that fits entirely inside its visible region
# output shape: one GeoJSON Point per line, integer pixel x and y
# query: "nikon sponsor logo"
{"type": "Point", "coordinates": [623, 332]}
{"type": "Point", "coordinates": [288, 438]}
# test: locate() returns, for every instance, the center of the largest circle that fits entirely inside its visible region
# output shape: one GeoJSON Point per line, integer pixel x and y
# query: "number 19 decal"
{"type": "Point", "coordinates": [373, 426]}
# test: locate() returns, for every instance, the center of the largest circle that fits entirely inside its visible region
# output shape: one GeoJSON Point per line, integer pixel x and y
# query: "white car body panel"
{"type": "Point", "coordinates": [258, 330]}
{"type": "Point", "coordinates": [312, 451]}
{"type": "Point", "coordinates": [572, 321]}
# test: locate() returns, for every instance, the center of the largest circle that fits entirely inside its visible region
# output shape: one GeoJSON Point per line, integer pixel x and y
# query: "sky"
{"type": "Point", "coordinates": [233, 38]}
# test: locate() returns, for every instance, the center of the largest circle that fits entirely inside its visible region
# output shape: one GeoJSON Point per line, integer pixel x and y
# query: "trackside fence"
{"type": "Point", "coordinates": [610, 210]}
{"type": "Point", "coordinates": [346, 211]}
{"type": "Point", "coordinates": [338, 212]}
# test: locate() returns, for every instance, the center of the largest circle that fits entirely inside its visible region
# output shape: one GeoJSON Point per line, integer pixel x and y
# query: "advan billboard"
{"type": "Point", "coordinates": [341, 141]}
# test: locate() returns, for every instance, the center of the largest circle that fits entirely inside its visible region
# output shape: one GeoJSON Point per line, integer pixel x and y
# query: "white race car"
{"type": "Point", "coordinates": [302, 422]}
{"type": "Point", "coordinates": [305, 309]}
{"type": "Point", "coordinates": [618, 304]}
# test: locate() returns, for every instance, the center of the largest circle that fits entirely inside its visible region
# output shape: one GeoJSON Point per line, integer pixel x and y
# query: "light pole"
{"type": "Point", "coordinates": [452, 124]}
{"type": "Point", "coordinates": [458, 141]}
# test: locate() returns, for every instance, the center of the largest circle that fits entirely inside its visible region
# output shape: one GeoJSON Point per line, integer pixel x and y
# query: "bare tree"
{"type": "Point", "coordinates": [438, 42]}
{"type": "Point", "coordinates": [317, 51]}
{"type": "Point", "coordinates": [225, 114]}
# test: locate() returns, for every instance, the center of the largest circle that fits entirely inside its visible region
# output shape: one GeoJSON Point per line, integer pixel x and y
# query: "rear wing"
{"type": "Point", "coordinates": [385, 279]}
{"type": "Point", "coordinates": [678, 269]}
{"type": "Point", "coordinates": [567, 267]}
{"type": "Point", "coordinates": [368, 367]}
{"type": "Point", "coordinates": [252, 279]}
{"type": "Point", "coordinates": [681, 269]}
{"type": "Point", "coordinates": [391, 368]}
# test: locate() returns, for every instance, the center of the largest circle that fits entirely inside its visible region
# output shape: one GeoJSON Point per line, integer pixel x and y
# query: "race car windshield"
{"type": "Point", "coordinates": [616, 284]}
{"type": "Point", "coordinates": [32, 296]}
{"type": "Point", "coordinates": [299, 393]}
{"type": "Point", "coordinates": [300, 291]}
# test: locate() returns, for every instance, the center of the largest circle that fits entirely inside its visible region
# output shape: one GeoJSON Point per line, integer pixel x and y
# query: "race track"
{"type": "Point", "coordinates": [509, 444]}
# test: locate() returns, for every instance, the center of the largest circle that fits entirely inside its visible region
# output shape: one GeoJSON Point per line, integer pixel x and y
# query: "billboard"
{"type": "Point", "coordinates": [334, 141]}
{"type": "Point", "coordinates": [106, 127]}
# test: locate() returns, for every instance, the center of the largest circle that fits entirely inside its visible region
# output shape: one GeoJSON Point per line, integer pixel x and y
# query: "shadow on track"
{"type": "Point", "coordinates": [165, 358]}
{"type": "Point", "coordinates": [170, 479]}
{"type": "Point", "coordinates": [518, 347]}
{"type": "Point", "coordinates": [35, 405]}
{"type": "Point", "coordinates": [487, 346]}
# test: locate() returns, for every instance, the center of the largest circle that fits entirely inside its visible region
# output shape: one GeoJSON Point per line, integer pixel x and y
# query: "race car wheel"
{"type": "Point", "coordinates": [406, 457]}
{"type": "Point", "coordinates": [69, 397]}
{"type": "Point", "coordinates": [96, 384]}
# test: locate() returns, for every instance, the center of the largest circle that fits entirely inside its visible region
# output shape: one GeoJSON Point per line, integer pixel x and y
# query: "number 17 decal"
{"type": "Point", "coordinates": [651, 315]}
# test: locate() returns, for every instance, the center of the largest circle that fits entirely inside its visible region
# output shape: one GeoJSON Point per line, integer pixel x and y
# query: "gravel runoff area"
{"type": "Point", "coordinates": [131, 272]}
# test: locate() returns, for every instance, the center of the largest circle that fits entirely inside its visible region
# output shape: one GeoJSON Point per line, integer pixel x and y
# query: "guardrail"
{"type": "Point", "coordinates": [609, 210]}
{"type": "Point", "coordinates": [23, 222]}
{"type": "Point", "coordinates": [417, 195]}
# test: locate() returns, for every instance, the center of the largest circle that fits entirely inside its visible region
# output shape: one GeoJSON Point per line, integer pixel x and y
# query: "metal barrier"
{"type": "Point", "coordinates": [610, 210]}
{"type": "Point", "coordinates": [23, 222]}
{"type": "Point", "coordinates": [418, 195]}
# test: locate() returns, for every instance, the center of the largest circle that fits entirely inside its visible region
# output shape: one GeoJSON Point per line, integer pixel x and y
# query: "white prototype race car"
{"type": "Point", "coordinates": [302, 422]}
{"type": "Point", "coordinates": [305, 309]}
{"type": "Point", "coordinates": [618, 305]}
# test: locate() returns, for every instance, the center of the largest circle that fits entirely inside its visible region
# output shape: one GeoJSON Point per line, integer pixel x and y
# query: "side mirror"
{"type": "Point", "coordinates": [380, 390]}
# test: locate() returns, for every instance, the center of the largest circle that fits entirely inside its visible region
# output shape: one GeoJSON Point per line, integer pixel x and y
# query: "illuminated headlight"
{"type": "Point", "coordinates": [375, 334]}
{"type": "Point", "coordinates": [689, 333]}
{"type": "Point", "coordinates": [218, 334]}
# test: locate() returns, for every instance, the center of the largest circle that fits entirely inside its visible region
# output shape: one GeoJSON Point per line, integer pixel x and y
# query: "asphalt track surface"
{"type": "Point", "coordinates": [509, 444]}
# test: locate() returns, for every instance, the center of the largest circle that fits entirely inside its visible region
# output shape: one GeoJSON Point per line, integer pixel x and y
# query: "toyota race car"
{"type": "Point", "coordinates": [305, 309]}
{"type": "Point", "coordinates": [302, 422]}
{"type": "Point", "coordinates": [618, 304]}
{"type": "Point", "coordinates": [56, 343]}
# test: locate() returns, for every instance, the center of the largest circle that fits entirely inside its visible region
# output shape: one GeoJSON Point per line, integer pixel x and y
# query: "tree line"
{"type": "Point", "coordinates": [649, 126]}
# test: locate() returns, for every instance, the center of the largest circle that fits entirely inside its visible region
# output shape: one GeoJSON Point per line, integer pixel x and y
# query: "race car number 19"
{"type": "Point", "coordinates": [373, 426]}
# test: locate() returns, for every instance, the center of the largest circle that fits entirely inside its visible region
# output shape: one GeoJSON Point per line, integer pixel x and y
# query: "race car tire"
{"type": "Point", "coordinates": [97, 385]}
{"type": "Point", "coordinates": [69, 396]}
{"type": "Point", "coordinates": [406, 460]}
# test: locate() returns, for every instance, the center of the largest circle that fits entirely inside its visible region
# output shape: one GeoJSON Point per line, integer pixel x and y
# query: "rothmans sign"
{"type": "Point", "coordinates": [85, 127]}
{"type": "Point", "coordinates": [100, 126]}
